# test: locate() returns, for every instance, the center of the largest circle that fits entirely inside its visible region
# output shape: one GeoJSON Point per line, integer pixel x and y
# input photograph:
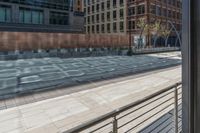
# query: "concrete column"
{"type": "Point", "coordinates": [191, 66]}
{"type": "Point", "coordinates": [46, 16]}
{"type": "Point", "coordinates": [15, 13]}
{"type": "Point", "coordinates": [71, 18]}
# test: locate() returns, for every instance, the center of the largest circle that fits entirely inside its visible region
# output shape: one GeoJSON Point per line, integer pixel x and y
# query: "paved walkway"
{"type": "Point", "coordinates": [64, 112]}
{"type": "Point", "coordinates": [21, 76]}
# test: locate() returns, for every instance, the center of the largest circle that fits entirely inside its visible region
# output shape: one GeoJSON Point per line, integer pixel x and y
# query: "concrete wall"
{"type": "Point", "coordinates": [11, 41]}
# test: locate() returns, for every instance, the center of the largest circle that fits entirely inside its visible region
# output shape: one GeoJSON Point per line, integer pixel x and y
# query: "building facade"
{"type": "Point", "coordinates": [122, 16]}
{"type": "Point", "coordinates": [38, 15]}
{"type": "Point", "coordinates": [163, 11]}
{"type": "Point", "coordinates": [105, 16]}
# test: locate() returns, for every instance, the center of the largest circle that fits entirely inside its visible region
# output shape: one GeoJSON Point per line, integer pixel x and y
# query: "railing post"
{"type": "Point", "coordinates": [176, 108]}
{"type": "Point", "coordinates": [115, 125]}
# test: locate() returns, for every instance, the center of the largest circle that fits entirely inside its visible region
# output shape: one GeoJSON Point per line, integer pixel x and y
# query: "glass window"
{"type": "Point", "coordinates": [5, 14]}
{"type": "Point", "coordinates": [59, 18]}
{"type": "Point", "coordinates": [30, 16]}
{"type": "Point", "coordinates": [27, 16]}
{"type": "Point", "coordinates": [35, 17]}
{"type": "Point", "coordinates": [2, 14]}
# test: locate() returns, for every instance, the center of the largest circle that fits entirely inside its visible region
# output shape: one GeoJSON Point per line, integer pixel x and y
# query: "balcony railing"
{"type": "Point", "coordinates": [159, 112]}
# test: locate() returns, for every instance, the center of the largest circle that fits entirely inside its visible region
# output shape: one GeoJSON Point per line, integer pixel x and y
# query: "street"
{"type": "Point", "coordinates": [34, 74]}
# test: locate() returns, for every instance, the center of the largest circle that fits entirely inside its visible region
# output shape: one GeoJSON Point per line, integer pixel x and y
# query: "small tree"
{"type": "Point", "coordinates": [155, 29]}
{"type": "Point", "coordinates": [165, 33]}
{"type": "Point", "coordinates": [142, 24]}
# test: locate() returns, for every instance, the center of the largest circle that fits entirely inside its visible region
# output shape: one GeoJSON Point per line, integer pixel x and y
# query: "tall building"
{"type": "Point", "coordinates": [105, 16]}
{"type": "Point", "coordinates": [122, 16]}
{"type": "Point", "coordinates": [163, 11]}
{"type": "Point", "coordinates": [38, 15]}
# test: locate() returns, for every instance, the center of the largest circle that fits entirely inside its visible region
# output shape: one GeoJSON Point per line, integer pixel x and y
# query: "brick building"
{"type": "Point", "coordinates": [152, 11]}
{"type": "Point", "coordinates": [121, 16]}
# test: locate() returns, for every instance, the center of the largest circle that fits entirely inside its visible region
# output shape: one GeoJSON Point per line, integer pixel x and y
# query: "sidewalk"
{"type": "Point", "coordinates": [62, 113]}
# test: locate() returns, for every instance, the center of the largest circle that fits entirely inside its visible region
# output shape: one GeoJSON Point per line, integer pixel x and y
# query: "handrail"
{"type": "Point", "coordinates": [116, 112]}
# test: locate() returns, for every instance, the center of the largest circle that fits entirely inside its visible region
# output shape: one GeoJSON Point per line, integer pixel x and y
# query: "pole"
{"type": "Point", "coordinates": [130, 52]}
{"type": "Point", "coordinates": [176, 109]}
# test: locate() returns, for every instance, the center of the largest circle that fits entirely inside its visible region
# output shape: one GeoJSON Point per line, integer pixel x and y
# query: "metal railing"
{"type": "Point", "coordinates": [138, 116]}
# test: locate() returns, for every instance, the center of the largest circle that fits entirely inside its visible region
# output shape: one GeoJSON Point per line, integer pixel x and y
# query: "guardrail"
{"type": "Point", "coordinates": [137, 116]}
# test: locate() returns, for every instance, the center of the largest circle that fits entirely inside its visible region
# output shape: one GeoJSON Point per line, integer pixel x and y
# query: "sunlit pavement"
{"type": "Point", "coordinates": [31, 74]}
{"type": "Point", "coordinates": [64, 112]}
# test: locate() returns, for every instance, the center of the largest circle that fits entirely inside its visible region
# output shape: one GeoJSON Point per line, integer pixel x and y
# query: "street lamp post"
{"type": "Point", "coordinates": [130, 51]}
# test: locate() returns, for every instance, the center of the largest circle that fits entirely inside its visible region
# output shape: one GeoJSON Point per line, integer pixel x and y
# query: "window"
{"type": "Point", "coordinates": [88, 29]}
{"type": "Point", "coordinates": [108, 27]}
{"type": "Point", "coordinates": [93, 9]}
{"type": "Point", "coordinates": [88, 10]}
{"type": "Point", "coordinates": [108, 4]}
{"type": "Point", "coordinates": [131, 11]}
{"type": "Point", "coordinates": [97, 28]}
{"type": "Point", "coordinates": [31, 16]}
{"type": "Point", "coordinates": [5, 14]}
{"type": "Point", "coordinates": [121, 13]}
{"type": "Point", "coordinates": [88, 19]}
{"type": "Point", "coordinates": [114, 3]}
{"type": "Point", "coordinates": [102, 17]}
{"type": "Point", "coordinates": [92, 18]}
{"type": "Point", "coordinates": [97, 17]}
{"type": "Point", "coordinates": [140, 9]}
{"type": "Point", "coordinates": [114, 27]}
{"type": "Point", "coordinates": [102, 6]}
{"type": "Point", "coordinates": [59, 18]}
{"type": "Point", "coordinates": [93, 29]}
{"type": "Point", "coordinates": [114, 14]}
{"type": "Point", "coordinates": [153, 9]}
{"type": "Point", "coordinates": [158, 11]}
{"type": "Point", "coordinates": [121, 26]}
{"type": "Point", "coordinates": [121, 2]}
{"type": "Point", "coordinates": [131, 24]}
{"type": "Point", "coordinates": [102, 28]}
{"type": "Point", "coordinates": [108, 16]}
{"type": "Point", "coordinates": [97, 7]}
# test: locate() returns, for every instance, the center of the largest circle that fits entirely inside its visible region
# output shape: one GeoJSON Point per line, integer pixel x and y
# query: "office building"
{"type": "Point", "coordinates": [105, 16]}
{"type": "Point", "coordinates": [38, 15]}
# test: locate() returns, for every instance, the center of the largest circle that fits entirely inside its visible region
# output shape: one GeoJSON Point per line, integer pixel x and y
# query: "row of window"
{"type": "Point", "coordinates": [102, 6]}
{"type": "Point", "coordinates": [103, 28]}
{"type": "Point", "coordinates": [136, 10]}
{"type": "Point", "coordinates": [32, 16]}
{"type": "Point", "coordinates": [109, 15]}
{"type": "Point", "coordinates": [164, 12]}
{"type": "Point", "coordinates": [176, 3]}
{"type": "Point", "coordinates": [133, 25]}
{"type": "Point", "coordinates": [157, 10]}
{"type": "Point", "coordinates": [55, 4]}
{"type": "Point", "coordinates": [114, 2]}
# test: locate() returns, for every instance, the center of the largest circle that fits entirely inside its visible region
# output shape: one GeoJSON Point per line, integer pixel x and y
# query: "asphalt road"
{"type": "Point", "coordinates": [36, 74]}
